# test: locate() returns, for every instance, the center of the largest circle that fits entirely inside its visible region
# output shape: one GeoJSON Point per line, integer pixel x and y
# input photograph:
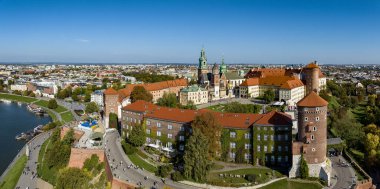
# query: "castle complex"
{"type": "Point", "coordinates": [264, 139]}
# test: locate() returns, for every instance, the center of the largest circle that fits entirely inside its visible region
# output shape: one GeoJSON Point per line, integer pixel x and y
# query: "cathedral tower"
{"type": "Point", "coordinates": [202, 66]}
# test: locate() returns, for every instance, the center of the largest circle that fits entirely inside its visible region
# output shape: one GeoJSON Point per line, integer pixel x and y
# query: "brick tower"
{"type": "Point", "coordinates": [111, 98]}
{"type": "Point", "coordinates": [311, 77]}
{"type": "Point", "coordinates": [312, 137]}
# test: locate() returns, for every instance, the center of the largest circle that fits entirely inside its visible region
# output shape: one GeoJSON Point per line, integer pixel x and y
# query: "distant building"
{"type": "Point", "coordinates": [195, 94]}
{"type": "Point", "coordinates": [19, 87]}
{"type": "Point", "coordinates": [97, 97]}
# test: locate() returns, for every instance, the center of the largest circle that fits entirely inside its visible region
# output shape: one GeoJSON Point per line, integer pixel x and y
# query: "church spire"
{"type": "Point", "coordinates": [223, 67]}
{"type": "Point", "coordinates": [202, 60]}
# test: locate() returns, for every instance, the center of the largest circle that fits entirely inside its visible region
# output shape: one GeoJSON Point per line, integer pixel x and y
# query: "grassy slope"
{"type": "Point", "coordinates": [136, 159]}
{"type": "Point", "coordinates": [17, 98]}
{"type": "Point", "coordinates": [67, 116]}
{"type": "Point", "coordinates": [43, 171]}
{"type": "Point", "coordinates": [11, 179]}
{"type": "Point", "coordinates": [214, 177]}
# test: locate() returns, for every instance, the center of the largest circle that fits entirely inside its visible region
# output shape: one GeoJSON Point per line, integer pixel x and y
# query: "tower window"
{"type": "Point", "coordinates": [312, 137]}
{"type": "Point", "coordinates": [314, 128]}
{"type": "Point", "coordinates": [317, 109]}
{"type": "Point", "coordinates": [317, 119]}
{"type": "Point", "coordinates": [313, 149]}
{"type": "Point", "coordinates": [306, 119]}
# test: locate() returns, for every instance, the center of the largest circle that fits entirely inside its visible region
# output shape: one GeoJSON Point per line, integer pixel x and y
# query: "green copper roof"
{"type": "Point", "coordinates": [192, 88]}
{"type": "Point", "coordinates": [223, 67]}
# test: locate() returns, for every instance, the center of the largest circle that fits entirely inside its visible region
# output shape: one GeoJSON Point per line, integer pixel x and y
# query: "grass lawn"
{"type": "Point", "coordinates": [45, 103]}
{"type": "Point", "coordinates": [265, 173]}
{"type": "Point", "coordinates": [137, 160]}
{"type": "Point", "coordinates": [11, 179]}
{"type": "Point", "coordinates": [67, 116]}
{"type": "Point", "coordinates": [292, 184]}
{"type": "Point", "coordinates": [17, 98]}
{"type": "Point", "coordinates": [217, 108]}
{"type": "Point", "coordinates": [51, 114]}
{"type": "Point", "coordinates": [43, 171]}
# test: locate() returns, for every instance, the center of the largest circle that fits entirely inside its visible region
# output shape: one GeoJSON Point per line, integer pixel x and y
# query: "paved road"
{"type": "Point", "coordinates": [29, 176]}
{"type": "Point", "coordinates": [345, 174]}
{"type": "Point", "coordinates": [115, 155]}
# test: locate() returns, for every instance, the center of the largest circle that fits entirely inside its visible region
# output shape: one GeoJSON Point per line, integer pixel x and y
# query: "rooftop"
{"type": "Point", "coordinates": [312, 100]}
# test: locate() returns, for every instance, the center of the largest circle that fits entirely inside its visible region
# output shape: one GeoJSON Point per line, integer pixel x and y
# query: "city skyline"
{"type": "Point", "coordinates": [252, 32]}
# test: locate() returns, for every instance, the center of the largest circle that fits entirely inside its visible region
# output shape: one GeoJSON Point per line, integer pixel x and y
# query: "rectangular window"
{"type": "Point", "coordinates": [286, 137]}
{"type": "Point", "coordinates": [170, 135]}
{"type": "Point", "coordinates": [181, 147]}
{"type": "Point", "coordinates": [258, 137]}
{"type": "Point", "coordinates": [279, 148]}
{"type": "Point", "coordinates": [170, 127]}
{"type": "Point", "coordinates": [247, 146]}
{"type": "Point", "coordinates": [286, 148]}
{"type": "Point", "coordinates": [158, 133]}
{"type": "Point", "coordinates": [181, 138]}
{"type": "Point", "coordinates": [265, 137]}
{"type": "Point", "coordinates": [158, 124]}
{"type": "Point", "coordinates": [148, 131]}
{"type": "Point", "coordinates": [271, 137]}
{"type": "Point", "coordinates": [286, 158]}
{"type": "Point", "coordinates": [272, 158]}
{"type": "Point", "coordinates": [182, 128]}
{"type": "Point", "coordinates": [232, 134]}
{"type": "Point", "coordinates": [247, 135]}
{"type": "Point", "coordinates": [232, 145]}
{"type": "Point", "coordinates": [279, 159]}
{"type": "Point", "coordinates": [258, 148]}
{"type": "Point", "coordinates": [265, 148]}
{"type": "Point", "coordinates": [232, 155]}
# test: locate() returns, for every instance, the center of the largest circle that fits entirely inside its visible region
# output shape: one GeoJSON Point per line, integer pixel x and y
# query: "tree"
{"type": "Point", "coordinates": [164, 170]}
{"type": "Point", "coordinates": [87, 96]}
{"type": "Point", "coordinates": [304, 169]}
{"type": "Point", "coordinates": [168, 100]}
{"type": "Point", "coordinates": [72, 178]}
{"type": "Point", "coordinates": [68, 139]}
{"type": "Point", "coordinates": [113, 120]}
{"type": "Point", "coordinates": [372, 100]}
{"type": "Point", "coordinates": [236, 107]}
{"type": "Point", "coordinates": [91, 107]}
{"type": "Point", "coordinates": [137, 136]}
{"type": "Point", "coordinates": [225, 144]}
{"type": "Point", "coordinates": [269, 96]}
{"type": "Point", "coordinates": [196, 162]}
{"type": "Point", "coordinates": [211, 128]}
{"type": "Point", "coordinates": [52, 104]}
{"type": "Point", "coordinates": [140, 93]}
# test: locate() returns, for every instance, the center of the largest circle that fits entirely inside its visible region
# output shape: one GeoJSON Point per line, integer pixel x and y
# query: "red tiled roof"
{"type": "Point", "coordinates": [123, 93]}
{"type": "Point", "coordinates": [285, 82]}
{"type": "Point", "coordinates": [274, 118]}
{"type": "Point", "coordinates": [227, 120]}
{"type": "Point", "coordinates": [110, 91]}
{"type": "Point", "coordinates": [312, 100]}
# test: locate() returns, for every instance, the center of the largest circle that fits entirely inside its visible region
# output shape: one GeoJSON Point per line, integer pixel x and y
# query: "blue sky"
{"type": "Point", "coordinates": [168, 31]}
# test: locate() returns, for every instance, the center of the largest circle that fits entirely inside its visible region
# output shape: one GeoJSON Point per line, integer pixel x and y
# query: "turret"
{"type": "Point", "coordinates": [311, 73]}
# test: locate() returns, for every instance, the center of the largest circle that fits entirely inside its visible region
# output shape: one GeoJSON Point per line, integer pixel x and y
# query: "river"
{"type": "Point", "coordinates": [15, 119]}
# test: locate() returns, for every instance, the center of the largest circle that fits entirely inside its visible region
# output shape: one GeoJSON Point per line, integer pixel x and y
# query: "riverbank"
{"type": "Point", "coordinates": [59, 114]}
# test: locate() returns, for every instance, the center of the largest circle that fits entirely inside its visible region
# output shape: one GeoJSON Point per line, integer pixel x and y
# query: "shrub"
{"type": "Point", "coordinates": [128, 148]}
{"type": "Point", "coordinates": [251, 177]}
{"type": "Point", "coordinates": [164, 170]}
{"type": "Point", "coordinates": [177, 176]}
{"type": "Point", "coordinates": [52, 104]}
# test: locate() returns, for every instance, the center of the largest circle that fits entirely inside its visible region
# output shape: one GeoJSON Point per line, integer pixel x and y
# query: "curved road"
{"type": "Point", "coordinates": [115, 155]}
{"type": "Point", "coordinates": [27, 179]}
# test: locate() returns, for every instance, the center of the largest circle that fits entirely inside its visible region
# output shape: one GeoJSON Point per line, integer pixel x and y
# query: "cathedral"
{"type": "Point", "coordinates": [215, 81]}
